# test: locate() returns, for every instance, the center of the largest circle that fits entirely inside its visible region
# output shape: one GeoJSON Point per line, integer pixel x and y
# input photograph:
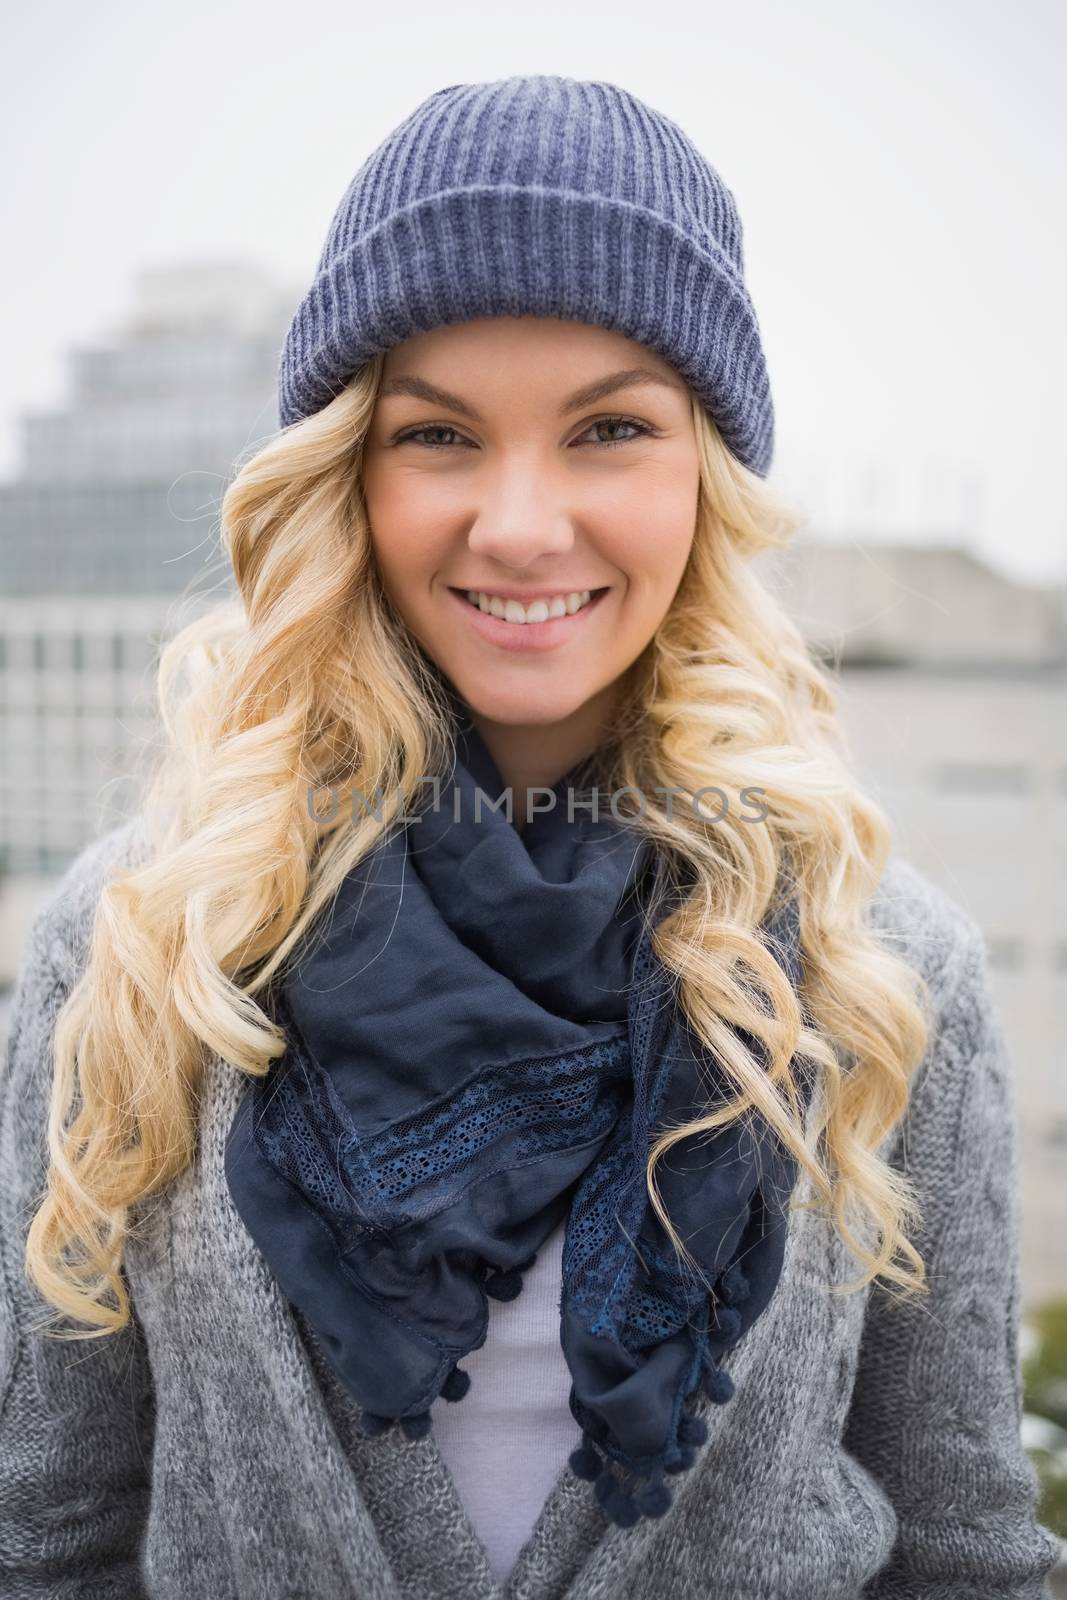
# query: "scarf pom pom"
{"type": "Point", "coordinates": [727, 1324]}
{"type": "Point", "coordinates": [504, 1285]}
{"type": "Point", "coordinates": [585, 1461]}
{"type": "Point", "coordinates": [718, 1385]}
{"type": "Point", "coordinates": [373, 1424]}
{"type": "Point", "coordinates": [617, 1503]}
{"type": "Point", "coordinates": [654, 1500]}
{"type": "Point", "coordinates": [692, 1430]}
{"type": "Point", "coordinates": [507, 1284]}
{"type": "Point", "coordinates": [456, 1384]}
{"type": "Point", "coordinates": [734, 1286]}
{"type": "Point", "coordinates": [417, 1426]}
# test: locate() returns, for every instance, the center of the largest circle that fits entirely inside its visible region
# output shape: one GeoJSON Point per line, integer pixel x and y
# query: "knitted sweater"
{"type": "Point", "coordinates": [869, 1450]}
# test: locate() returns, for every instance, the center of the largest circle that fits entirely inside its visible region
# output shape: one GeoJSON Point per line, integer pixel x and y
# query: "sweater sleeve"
{"type": "Point", "coordinates": [76, 1418]}
{"type": "Point", "coordinates": [936, 1409]}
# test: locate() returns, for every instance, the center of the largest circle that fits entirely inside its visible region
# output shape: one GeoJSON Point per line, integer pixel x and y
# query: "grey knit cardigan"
{"type": "Point", "coordinates": [869, 1450]}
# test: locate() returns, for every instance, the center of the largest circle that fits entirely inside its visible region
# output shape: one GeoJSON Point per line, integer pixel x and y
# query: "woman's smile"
{"type": "Point", "coordinates": [547, 634]}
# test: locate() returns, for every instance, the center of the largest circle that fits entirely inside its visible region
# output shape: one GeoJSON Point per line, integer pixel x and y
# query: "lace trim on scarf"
{"type": "Point", "coordinates": [498, 1120]}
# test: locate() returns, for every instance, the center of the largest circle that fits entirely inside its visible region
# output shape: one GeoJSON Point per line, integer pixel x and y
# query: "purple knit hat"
{"type": "Point", "coordinates": [545, 196]}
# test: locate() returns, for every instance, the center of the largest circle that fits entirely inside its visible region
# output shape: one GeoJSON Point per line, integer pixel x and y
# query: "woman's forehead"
{"type": "Point", "coordinates": [553, 337]}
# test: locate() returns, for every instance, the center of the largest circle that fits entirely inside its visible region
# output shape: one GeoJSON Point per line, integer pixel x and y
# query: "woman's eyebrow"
{"type": "Point", "coordinates": [629, 377]}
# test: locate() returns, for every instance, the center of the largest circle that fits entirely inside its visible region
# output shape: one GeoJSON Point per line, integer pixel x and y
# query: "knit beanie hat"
{"type": "Point", "coordinates": [543, 196]}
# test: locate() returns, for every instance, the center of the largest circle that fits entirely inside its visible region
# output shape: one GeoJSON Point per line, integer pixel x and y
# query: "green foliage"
{"type": "Point", "coordinates": [1044, 1372]}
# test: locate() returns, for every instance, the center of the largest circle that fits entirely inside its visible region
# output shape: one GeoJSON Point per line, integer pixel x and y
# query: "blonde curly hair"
{"type": "Point", "coordinates": [312, 679]}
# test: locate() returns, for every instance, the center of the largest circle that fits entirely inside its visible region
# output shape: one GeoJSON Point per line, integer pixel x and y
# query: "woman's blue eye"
{"type": "Point", "coordinates": [601, 422]}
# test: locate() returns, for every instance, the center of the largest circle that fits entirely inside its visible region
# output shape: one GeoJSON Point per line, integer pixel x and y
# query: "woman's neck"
{"type": "Point", "coordinates": [536, 755]}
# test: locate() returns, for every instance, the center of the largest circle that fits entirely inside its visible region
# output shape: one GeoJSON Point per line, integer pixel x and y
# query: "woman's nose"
{"type": "Point", "coordinates": [521, 522]}
{"type": "Point", "coordinates": [520, 545]}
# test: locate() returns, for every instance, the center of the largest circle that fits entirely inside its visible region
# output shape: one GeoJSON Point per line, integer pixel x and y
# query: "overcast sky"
{"type": "Point", "coordinates": [898, 168]}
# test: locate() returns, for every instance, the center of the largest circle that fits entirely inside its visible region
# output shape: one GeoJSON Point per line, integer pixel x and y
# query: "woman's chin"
{"type": "Point", "coordinates": [521, 704]}
{"type": "Point", "coordinates": [521, 713]}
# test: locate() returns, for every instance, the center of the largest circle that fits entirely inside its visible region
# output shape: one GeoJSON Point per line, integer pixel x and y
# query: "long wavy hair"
{"type": "Point", "coordinates": [312, 679]}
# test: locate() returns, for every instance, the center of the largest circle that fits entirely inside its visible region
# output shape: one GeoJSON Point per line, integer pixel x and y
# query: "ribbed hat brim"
{"type": "Point", "coordinates": [509, 251]}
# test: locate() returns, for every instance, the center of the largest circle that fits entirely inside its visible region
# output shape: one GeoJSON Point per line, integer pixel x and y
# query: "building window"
{"type": "Point", "coordinates": [1055, 1133]}
{"type": "Point", "coordinates": [981, 777]}
{"type": "Point", "coordinates": [1007, 955]}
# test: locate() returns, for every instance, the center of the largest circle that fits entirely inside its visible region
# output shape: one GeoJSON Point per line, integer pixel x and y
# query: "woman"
{"type": "Point", "coordinates": [503, 905]}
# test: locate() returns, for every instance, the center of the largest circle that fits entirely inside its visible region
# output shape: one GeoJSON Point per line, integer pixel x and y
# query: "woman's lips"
{"type": "Point", "coordinates": [526, 635]}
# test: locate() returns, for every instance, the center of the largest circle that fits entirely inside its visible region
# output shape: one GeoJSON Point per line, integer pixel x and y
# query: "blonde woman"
{"type": "Point", "coordinates": [501, 1119]}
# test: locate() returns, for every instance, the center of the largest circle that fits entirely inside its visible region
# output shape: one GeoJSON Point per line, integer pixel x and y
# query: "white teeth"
{"type": "Point", "coordinates": [561, 605]}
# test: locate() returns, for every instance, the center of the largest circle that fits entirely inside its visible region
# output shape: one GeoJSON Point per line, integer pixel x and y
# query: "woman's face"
{"type": "Point", "coordinates": [502, 461]}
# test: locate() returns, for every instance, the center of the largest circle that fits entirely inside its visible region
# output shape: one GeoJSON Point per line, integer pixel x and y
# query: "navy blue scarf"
{"type": "Point", "coordinates": [482, 1042]}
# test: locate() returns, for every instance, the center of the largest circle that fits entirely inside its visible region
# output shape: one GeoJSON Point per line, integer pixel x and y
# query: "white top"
{"type": "Point", "coordinates": [506, 1442]}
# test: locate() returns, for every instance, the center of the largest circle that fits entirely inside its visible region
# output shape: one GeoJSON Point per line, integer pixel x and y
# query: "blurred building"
{"type": "Point", "coordinates": [109, 544]}
{"type": "Point", "coordinates": [77, 703]}
{"type": "Point", "coordinates": [953, 678]}
{"type": "Point", "coordinates": [953, 684]}
{"type": "Point", "coordinates": [118, 490]}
